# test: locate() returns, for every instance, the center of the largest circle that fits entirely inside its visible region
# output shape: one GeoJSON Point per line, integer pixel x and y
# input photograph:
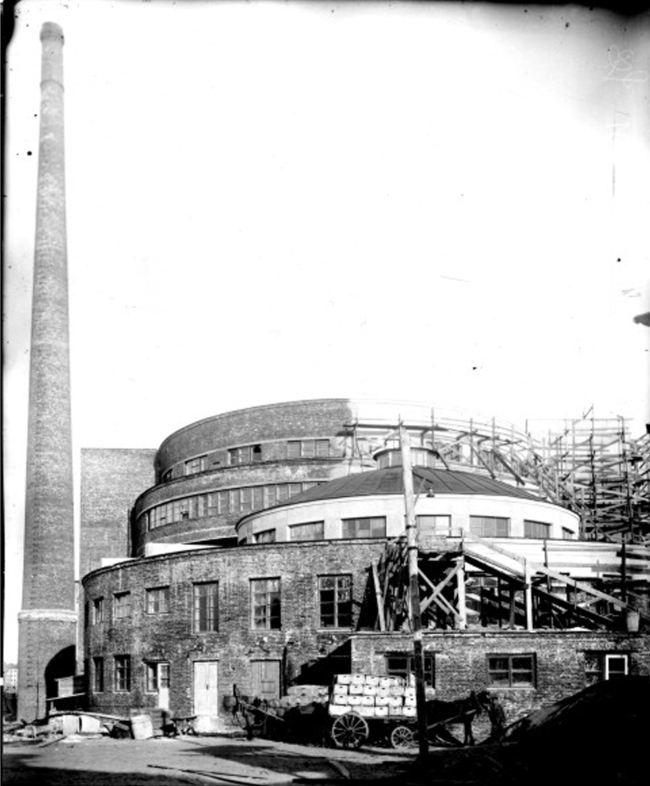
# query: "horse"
{"type": "Point", "coordinates": [459, 711]}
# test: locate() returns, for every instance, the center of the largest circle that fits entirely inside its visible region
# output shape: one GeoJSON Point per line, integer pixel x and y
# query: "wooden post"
{"type": "Point", "coordinates": [380, 600]}
{"type": "Point", "coordinates": [460, 583]}
{"type": "Point", "coordinates": [528, 596]}
{"type": "Point", "coordinates": [416, 620]}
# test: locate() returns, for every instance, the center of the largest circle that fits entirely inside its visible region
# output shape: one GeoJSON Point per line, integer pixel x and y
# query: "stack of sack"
{"type": "Point", "coordinates": [373, 697]}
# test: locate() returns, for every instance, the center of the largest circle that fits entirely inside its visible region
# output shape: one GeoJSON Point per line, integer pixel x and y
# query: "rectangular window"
{"type": "Point", "coordinates": [308, 448]}
{"type": "Point", "coordinates": [266, 536]}
{"type": "Point", "coordinates": [511, 671]}
{"type": "Point", "coordinates": [158, 600]}
{"type": "Point", "coordinates": [122, 673]}
{"type": "Point", "coordinates": [98, 675]}
{"type": "Point", "coordinates": [489, 526]}
{"type": "Point", "coordinates": [245, 455]}
{"type": "Point", "coordinates": [198, 464]}
{"type": "Point", "coordinates": [371, 527]}
{"type": "Point", "coordinates": [121, 605]}
{"type": "Point", "coordinates": [434, 525]}
{"type": "Point", "coordinates": [265, 603]}
{"type": "Point", "coordinates": [206, 607]}
{"type": "Point", "coordinates": [98, 610]}
{"type": "Point", "coordinates": [536, 529]}
{"type": "Point", "coordinates": [567, 534]}
{"type": "Point", "coordinates": [400, 664]}
{"type": "Point", "coordinates": [157, 676]}
{"type": "Point", "coordinates": [313, 530]}
{"type": "Point", "coordinates": [335, 601]}
{"type": "Point", "coordinates": [616, 666]}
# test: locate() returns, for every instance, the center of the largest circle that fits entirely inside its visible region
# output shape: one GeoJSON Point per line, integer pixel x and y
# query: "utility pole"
{"type": "Point", "coordinates": [416, 620]}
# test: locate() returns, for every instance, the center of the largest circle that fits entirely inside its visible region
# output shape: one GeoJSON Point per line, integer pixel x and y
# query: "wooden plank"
{"type": "Point", "coordinates": [380, 600]}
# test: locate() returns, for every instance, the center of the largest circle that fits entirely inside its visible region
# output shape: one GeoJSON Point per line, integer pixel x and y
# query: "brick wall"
{"type": "Point", "coordinates": [170, 637]}
{"type": "Point", "coordinates": [461, 662]}
{"type": "Point", "coordinates": [110, 481]}
{"type": "Point", "coordinates": [460, 657]}
{"type": "Point", "coordinates": [290, 420]}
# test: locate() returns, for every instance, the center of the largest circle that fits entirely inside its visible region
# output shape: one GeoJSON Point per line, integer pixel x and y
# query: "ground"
{"type": "Point", "coordinates": [78, 760]}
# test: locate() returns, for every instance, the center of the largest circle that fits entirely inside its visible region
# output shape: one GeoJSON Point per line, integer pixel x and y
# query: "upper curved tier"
{"type": "Point", "coordinates": [211, 473]}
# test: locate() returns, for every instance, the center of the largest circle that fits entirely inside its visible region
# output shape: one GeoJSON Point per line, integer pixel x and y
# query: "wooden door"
{"type": "Point", "coordinates": [266, 679]}
{"type": "Point", "coordinates": [206, 698]}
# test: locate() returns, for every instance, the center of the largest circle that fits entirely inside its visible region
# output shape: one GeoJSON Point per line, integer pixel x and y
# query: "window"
{"type": "Point", "coordinates": [489, 526]}
{"type": "Point", "coordinates": [265, 602]}
{"type": "Point", "coordinates": [206, 607]}
{"type": "Point", "coordinates": [167, 476]}
{"type": "Point", "coordinates": [567, 534]}
{"type": "Point", "coordinates": [245, 455]}
{"type": "Point", "coordinates": [158, 600]}
{"type": "Point", "coordinates": [266, 536]}
{"type": "Point", "coordinates": [157, 676]}
{"type": "Point", "coordinates": [373, 527]}
{"type": "Point", "coordinates": [98, 610]}
{"type": "Point", "coordinates": [314, 530]}
{"type": "Point", "coordinates": [434, 525]}
{"type": "Point", "coordinates": [605, 666]}
{"type": "Point", "coordinates": [335, 601]}
{"type": "Point", "coordinates": [198, 464]}
{"type": "Point", "coordinates": [400, 664]}
{"type": "Point", "coordinates": [121, 605]}
{"type": "Point", "coordinates": [511, 671]}
{"type": "Point", "coordinates": [308, 448]}
{"type": "Point", "coordinates": [536, 529]}
{"type": "Point", "coordinates": [122, 673]}
{"type": "Point", "coordinates": [98, 675]}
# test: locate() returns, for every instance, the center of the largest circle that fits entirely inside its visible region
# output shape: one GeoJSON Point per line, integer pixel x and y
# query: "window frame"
{"type": "Point", "coordinates": [150, 600]}
{"type": "Point", "coordinates": [294, 528]}
{"type": "Point", "coordinates": [347, 523]}
{"type": "Point", "coordinates": [122, 673]}
{"type": "Point", "coordinates": [121, 611]}
{"type": "Point", "coordinates": [429, 665]}
{"type": "Point", "coordinates": [211, 624]}
{"type": "Point", "coordinates": [496, 519]}
{"type": "Point", "coordinates": [98, 682]}
{"type": "Point", "coordinates": [336, 602]}
{"type": "Point", "coordinates": [265, 536]}
{"type": "Point", "coordinates": [98, 611]}
{"type": "Point", "coordinates": [511, 671]}
{"type": "Point", "coordinates": [156, 675]}
{"type": "Point", "coordinates": [531, 529]}
{"type": "Point", "coordinates": [436, 530]}
{"type": "Point", "coordinates": [266, 603]}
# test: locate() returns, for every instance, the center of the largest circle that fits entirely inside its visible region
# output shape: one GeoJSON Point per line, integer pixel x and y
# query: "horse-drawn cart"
{"type": "Point", "coordinates": [383, 709]}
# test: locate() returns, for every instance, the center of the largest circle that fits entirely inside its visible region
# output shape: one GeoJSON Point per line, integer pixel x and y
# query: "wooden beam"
{"type": "Point", "coordinates": [380, 600]}
{"type": "Point", "coordinates": [460, 584]}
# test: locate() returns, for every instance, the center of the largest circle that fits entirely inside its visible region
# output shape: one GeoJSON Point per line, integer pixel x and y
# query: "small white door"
{"type": "Point", "coordinates": [206, 698]}
{"type": "Point", "coordinates": [266, 679]}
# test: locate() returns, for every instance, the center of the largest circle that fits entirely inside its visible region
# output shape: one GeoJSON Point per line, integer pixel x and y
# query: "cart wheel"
{"type": "Point", "coordinates": [402, 737]}
{"type": "Point", "coordinates": [350, 730]}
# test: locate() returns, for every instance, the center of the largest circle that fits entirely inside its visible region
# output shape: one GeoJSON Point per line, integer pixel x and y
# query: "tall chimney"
{"type": "Point", "coordinates": [47, 622]}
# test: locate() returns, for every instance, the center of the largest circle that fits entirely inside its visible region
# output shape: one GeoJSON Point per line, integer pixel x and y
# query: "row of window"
{"type": "Point", "coordinates": [239, 500]}
{"type": "Point", "coordinates": [156, 675]}
{"type": "Point", "coordinates": [503, 670]}
{"type": "Point", "coordinates": [251, 454]}
{"type": "Point", "coordinates": [334, 593]}
{"type": "Point", "coordinates": [375, 527]}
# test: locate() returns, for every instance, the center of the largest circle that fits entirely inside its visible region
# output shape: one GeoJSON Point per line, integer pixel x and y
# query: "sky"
{"type": "Point", "coordinates": [273, 201]}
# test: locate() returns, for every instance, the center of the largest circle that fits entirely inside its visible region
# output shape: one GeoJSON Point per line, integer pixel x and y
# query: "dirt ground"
{"type": "Point", "coordinates": [78, 760]}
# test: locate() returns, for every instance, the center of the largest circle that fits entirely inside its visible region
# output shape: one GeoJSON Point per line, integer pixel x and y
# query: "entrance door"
{"type": "Point", "coordinates": [206, 699]}
{"type": "Point", "coordinates": [266, 679]}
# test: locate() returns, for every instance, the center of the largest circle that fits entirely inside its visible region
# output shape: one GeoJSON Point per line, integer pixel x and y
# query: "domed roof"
{"type": "Point", "coordinates": [425, 481]}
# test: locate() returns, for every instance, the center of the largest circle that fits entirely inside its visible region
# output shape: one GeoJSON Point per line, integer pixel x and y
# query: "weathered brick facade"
{"type": "Point", "coordinates": [110, 482]}
{"type": "Point", "coordinates": [460, 657]}
{"type": "Point", "coordinates": [170, 636]}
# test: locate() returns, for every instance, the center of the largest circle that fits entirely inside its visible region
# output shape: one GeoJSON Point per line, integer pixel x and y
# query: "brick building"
{"type": "Point", "coordinates": [273, 535]}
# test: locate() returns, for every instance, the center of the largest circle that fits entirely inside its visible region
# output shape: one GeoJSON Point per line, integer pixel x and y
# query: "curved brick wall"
{"type": "Point", "coordinates": [170, 636]}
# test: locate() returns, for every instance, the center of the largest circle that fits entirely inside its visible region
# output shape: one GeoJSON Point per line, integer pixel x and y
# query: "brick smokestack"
{"type": "Point", "coordinates": [47, 622]}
